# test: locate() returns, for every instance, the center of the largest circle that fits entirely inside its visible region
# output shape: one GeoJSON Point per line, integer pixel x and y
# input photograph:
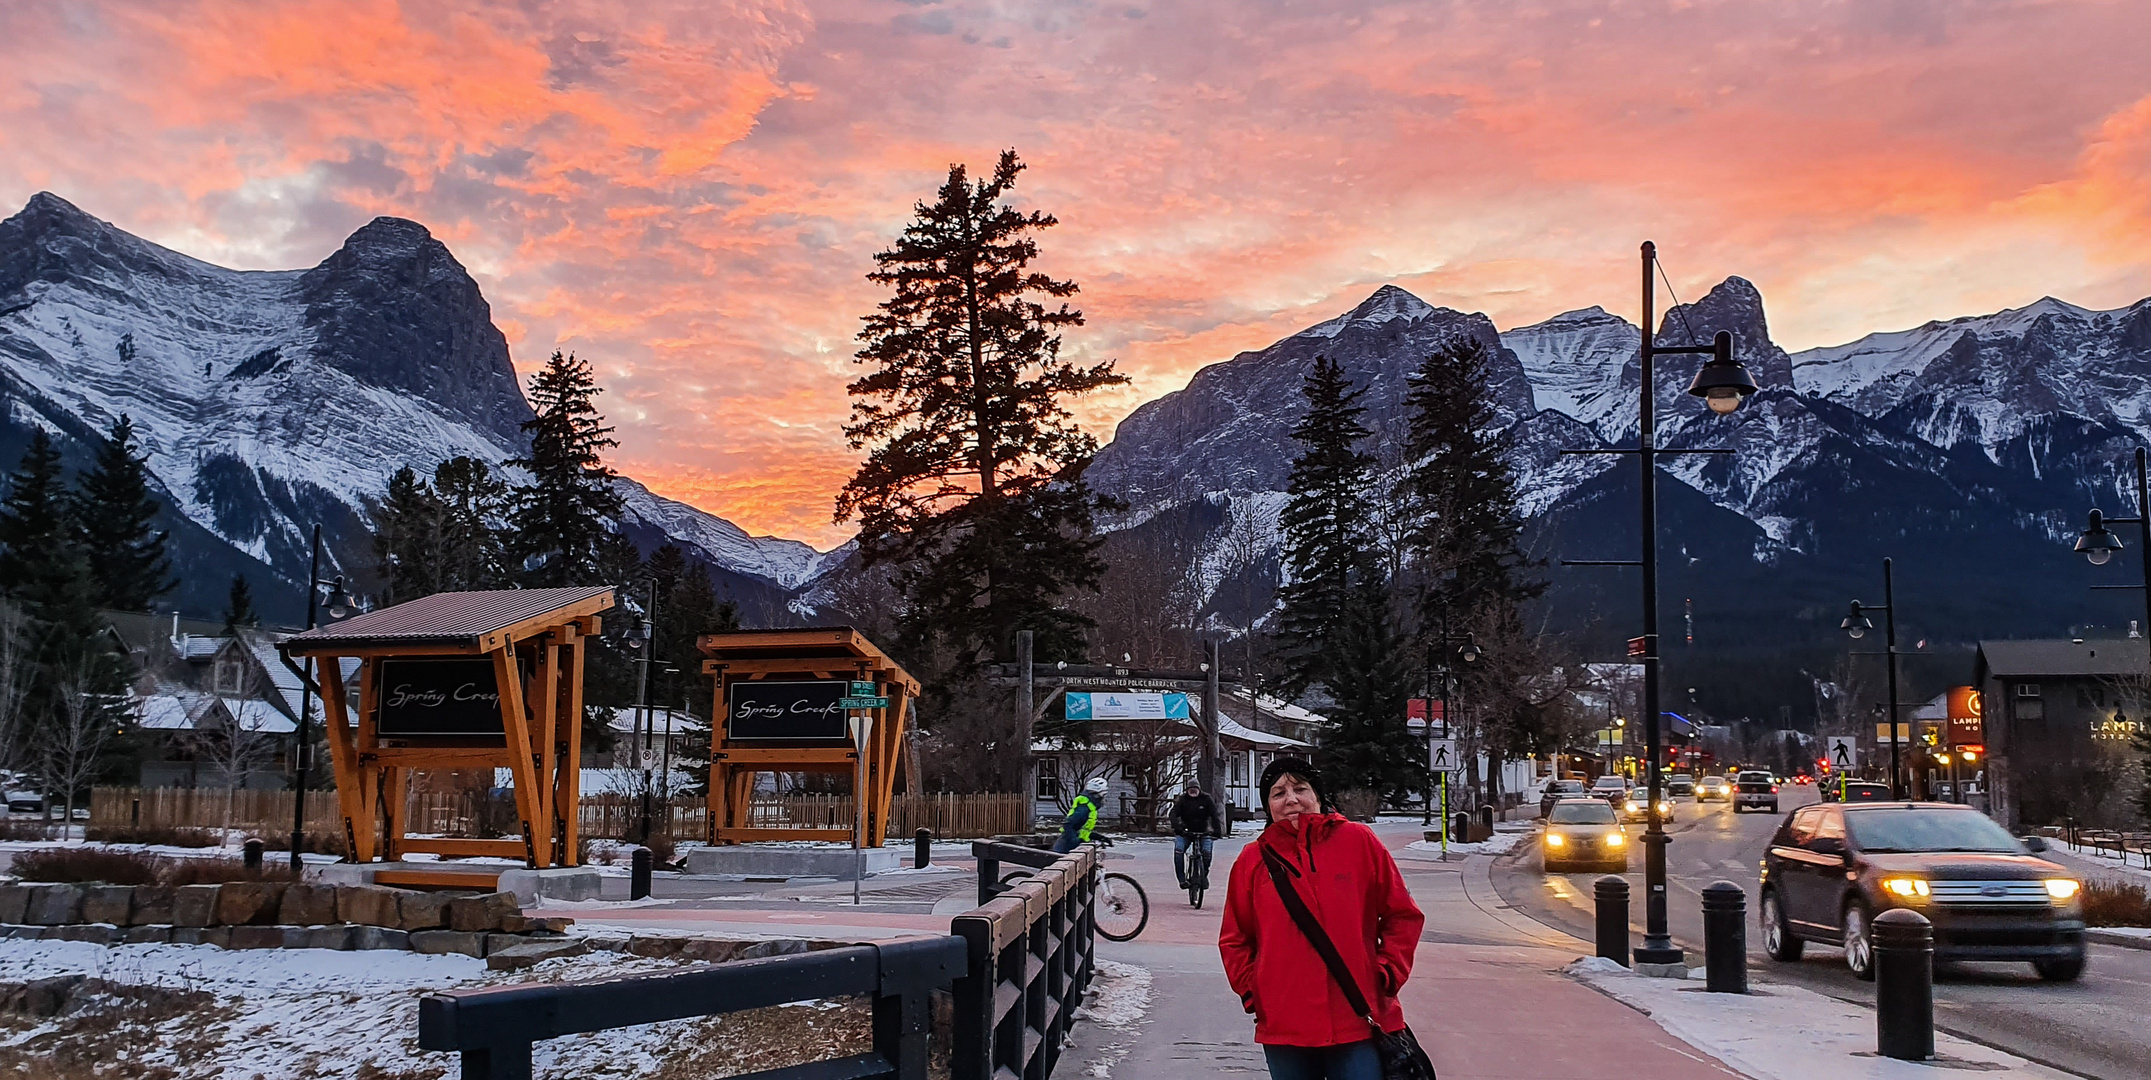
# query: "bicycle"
{"type": "Point", "coordinates": [1120, 909]}
{"type": "Point", "coordinates": [1198, 868]}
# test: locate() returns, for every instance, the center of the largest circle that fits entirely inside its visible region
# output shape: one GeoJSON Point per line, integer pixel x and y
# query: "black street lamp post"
{"type": "Point", "coordinates": [1856, 625]}
{"type": "Point", "coordinates": [2099, 544]}
{"type": "Point", "coordinates": [339, 604]}
{"type": "Point", "coordinates": [1722, 383]}
{"type": "Point", "coordinates": [1464, 648]}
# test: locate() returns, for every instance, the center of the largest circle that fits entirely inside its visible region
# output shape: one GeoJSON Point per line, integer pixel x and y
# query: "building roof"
{"type": "Point", "coordinates": [2064, 657]}
{"type": "Point", "coordinates": [449, 618]}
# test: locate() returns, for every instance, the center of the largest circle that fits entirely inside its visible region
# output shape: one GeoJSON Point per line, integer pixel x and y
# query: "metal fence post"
{"type": "Point", "coordinates": [1611, 892]}
{"type": "Point", "coordinates": [1904, 985]}
{"type": "Point", "coordinates": [1725, 938]}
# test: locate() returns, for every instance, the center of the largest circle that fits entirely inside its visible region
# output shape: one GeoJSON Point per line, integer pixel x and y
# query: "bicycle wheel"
{"type": "Point", "coordinates": [1120, 909]}
{"type": "Point", "coordinates": [1198, 879]}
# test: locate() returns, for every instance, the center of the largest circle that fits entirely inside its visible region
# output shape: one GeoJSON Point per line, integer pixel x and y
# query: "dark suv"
{"type": "Point", "coordinates": [1832, 868]}
{"type": "Point", "coordinates": [1555, 792]}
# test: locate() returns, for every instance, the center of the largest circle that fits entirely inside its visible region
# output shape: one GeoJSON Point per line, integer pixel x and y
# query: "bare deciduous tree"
{"type": "Point", "coordinates": [71, 748]}
{"type": "Point", "coordinates": [238, 742]}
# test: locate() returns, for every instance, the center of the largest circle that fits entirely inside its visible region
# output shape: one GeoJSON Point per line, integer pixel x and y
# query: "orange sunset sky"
{"type": "Point", "coordinates": [688, 194]}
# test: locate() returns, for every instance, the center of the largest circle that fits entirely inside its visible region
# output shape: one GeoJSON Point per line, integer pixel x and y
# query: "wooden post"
{"type": "Point", "coordinates": [570, 787]}
{"type": "Point", "coordinates": [530, 802]}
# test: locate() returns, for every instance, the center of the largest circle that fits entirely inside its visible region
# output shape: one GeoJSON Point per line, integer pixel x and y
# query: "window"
{"type": "Point", "coordinates": [230, 677]}
{"type": "Point", "coordinates": [1239, 768]}
{"type": "Point", "coordinates": [2027, 689]}
{"type": "Point", "coordinates": [1049, 778]}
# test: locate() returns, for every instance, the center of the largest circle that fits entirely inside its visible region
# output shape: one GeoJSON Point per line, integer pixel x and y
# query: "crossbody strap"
{"type": "Point", "coordinates": [1317, 937]}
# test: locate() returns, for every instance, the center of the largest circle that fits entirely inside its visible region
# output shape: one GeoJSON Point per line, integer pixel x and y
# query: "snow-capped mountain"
{"type": "Point", "coordinates": [267, 401]}
{"type": "Point", "coordinates": [1966, 449]}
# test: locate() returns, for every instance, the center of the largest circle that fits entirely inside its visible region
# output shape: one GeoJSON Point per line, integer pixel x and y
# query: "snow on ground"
{"type": "Point", "coordinates": [1501, 843]}
{"type": "Point", "coordinates": [1783, 1032]}
{"type": "Point", "coordinates": [197, 1012]}
{"type": "Point", "coordinates": [2130, 870]}
{"type": "Point", "coordinates": [1119, 1000]}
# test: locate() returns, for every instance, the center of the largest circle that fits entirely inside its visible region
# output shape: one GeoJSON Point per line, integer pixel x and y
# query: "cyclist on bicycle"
{"type": "Point", "coordinates": [1082, 816]}
{"type": "Point", "coordinates": [1194, 821]}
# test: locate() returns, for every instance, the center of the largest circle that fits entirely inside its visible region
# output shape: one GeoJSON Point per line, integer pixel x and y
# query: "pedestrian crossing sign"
{"type": "Point", "coordinates": [1441, 755]}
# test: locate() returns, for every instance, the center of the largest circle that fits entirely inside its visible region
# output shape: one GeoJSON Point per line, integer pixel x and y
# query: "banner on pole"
{"type": "Point", "coordinates": [1125, 706]}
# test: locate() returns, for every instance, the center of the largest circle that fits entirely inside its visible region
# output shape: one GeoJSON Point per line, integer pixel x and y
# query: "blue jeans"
{"type": "Point", "coordinates": [1180, 856]}
{"type": "Point", "coordinates": [1350, 1061]}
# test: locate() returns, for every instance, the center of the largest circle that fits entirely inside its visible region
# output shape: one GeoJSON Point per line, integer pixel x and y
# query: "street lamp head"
{"type": "Point", "coordinates": [1723, 382]}
{"type": "Point", "coordinates": [2098, 543]}
{"type": "Point", "coordinates": [1856, 625]}
{"type": "Point", "coordinates": [1469, 653]}
{"type": "Point", "coordinates": [638, 632]}
{"type": "Point", "coordinates": [339, 600]}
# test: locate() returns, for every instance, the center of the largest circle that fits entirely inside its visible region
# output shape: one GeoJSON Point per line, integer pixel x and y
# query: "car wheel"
{"type": "Point", "coordinates": [1778, 940]}
{"type": "Point", "coordinates": [1859, 941]}
{"type": "Point", "coordinates": [2066, 969]}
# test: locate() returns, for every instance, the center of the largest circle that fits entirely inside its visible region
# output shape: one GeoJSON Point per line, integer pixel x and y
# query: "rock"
{"type": "Point", "coordinates": [44, 998]}
{"type": "Point", "coordinates": [440, 942]}
{"type": "Point", "coordinates": [54, 905]}
{"type": "Point", "coordinates": [661, 948]}
{"type": "Point", "coordinates": [147, 935]}
{"type": "Point", "coordinates": [307, 905]}
{"type": "Point", "coordinates": [366, 905]}
{"type": "Point", "coordinates": [248, 903]}
{"type": "Point", "coordinates": [195, 905]}
{"type": "Point", "coordinates": [219, 936]}
{"type": "Point", "coordinates": [107, 904]}
{"type": "Point", "coordinates": [94, 933]}
{"type": "Point", "coordinates": [14, 900]}
{"type": "Point", "coordinates": [604, 942]}
{"type": "Point", "coordinates": [504, 953]}
{"type": "Point", "coordinates": [256, 937]}
{"type": "Point", "coordinates": [29, 933]}
{"type": "Point", "coordinates": [543, 924]}
{"type": "Point", "coordinates": [379, 937]}
{"type": "Point", "coordinates": [421, 911]}
{"type": "Point", "coordinates": [318, 937]}
{"type": "Point", "coordinates": [152, 906]}
{"type": "Point", "coordinates": [482, 914]}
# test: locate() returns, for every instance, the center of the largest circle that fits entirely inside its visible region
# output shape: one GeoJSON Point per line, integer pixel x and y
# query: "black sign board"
{"type": "Point", "coordinates": [761, 709]}
{"type": "Point", "coordinates": [437, 697]}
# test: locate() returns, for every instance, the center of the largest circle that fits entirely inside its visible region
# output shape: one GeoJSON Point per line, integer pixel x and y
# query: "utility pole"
{"type": "Point", "coordinates": [1026, 702]}
{"type": "Point", "coordinates": [1213, 749]}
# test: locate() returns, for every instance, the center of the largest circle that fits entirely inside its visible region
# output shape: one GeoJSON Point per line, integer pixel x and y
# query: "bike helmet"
{"type": "Point", "coordinates": [1096, 786]}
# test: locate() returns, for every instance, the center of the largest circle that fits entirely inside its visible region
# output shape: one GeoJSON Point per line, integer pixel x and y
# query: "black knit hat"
{"type": "Point", "coordinates": [1299, 767]}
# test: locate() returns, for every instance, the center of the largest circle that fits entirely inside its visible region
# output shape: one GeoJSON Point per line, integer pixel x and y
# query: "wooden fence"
{"type": "Point", "coordinates": [949, 816]}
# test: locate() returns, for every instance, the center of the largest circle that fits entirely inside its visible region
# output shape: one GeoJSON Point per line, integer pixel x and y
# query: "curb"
{"type": "Point", "coordinates": [2101, 936]}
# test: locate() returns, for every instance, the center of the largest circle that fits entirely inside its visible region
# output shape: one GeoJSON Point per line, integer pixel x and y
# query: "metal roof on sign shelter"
{"type": "Point", "coordinates": [465, 618]}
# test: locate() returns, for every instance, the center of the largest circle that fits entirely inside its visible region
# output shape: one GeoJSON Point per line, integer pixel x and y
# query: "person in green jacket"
{"type": "Point", "coordinates": [1082, 816]}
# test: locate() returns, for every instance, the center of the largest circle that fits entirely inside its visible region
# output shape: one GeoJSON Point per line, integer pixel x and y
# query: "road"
{"type": "Point", "coordinates": [2093, 1027]}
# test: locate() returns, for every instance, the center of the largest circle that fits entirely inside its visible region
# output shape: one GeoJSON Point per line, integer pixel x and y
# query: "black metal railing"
{"type": "Point", "coordinates": [1017, 967]}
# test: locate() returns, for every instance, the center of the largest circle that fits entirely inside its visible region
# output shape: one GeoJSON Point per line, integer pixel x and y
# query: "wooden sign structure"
{"type": "Point", "coordinates": [459, 680]}
{"type": "Point", "coordinates": [779, 704]}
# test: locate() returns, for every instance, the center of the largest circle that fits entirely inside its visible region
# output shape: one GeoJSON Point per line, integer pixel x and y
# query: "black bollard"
{"type": "Point", "coordinates": [1612, 895]}
{"type": "Point", "coordinates": [253, 857]}
{"type": "Point", "coordinates": [922, 848]}
{"type": "Point", "coordinates": [1725, 938]}
{"type": "Point", "coordinates": [1460, 827]}
{"type": "Point", "coordinates": [1904, 985]}
{"type": "Point", "coordinates": [638, 876]}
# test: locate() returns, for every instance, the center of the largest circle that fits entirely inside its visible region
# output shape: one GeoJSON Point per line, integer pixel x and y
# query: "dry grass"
{"type": "Point", "coordinates": [136, 868]}
{"type": "Point", "coordinates": [219, 871]}
{"type": "Point", "coordinates": [2107, 904]}
{"type": "Point", "coordinates": [100, 1031]}
{"type": "Point", "coordinates": [166, 835]}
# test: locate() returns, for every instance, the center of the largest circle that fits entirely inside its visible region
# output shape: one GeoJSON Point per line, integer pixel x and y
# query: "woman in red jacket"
{"type": "Point", "coordinates": [1350, 883]}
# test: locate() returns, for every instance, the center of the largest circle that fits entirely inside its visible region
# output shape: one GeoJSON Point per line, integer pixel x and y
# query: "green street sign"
{"type": "Point", "coordinates": [863, 703]}
{"type": "Point", "coordinates": [864, 689]}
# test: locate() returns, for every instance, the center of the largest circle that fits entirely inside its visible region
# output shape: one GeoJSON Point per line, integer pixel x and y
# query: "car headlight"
{"type": "Point", "coordinates": [1615, 839]}
{"type": "Point", "coordinates": [1554, 839]}
{"type": "Point", "coordinates": [2062, 888]}
{"type": "Point", "coordinates": [1908, 888]}
{"type": "Point", "coordinates": [1665, 808]}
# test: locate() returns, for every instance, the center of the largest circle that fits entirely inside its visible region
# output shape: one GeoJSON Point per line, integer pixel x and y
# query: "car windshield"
{"type": "Point", "coordinates": [1610, 782]}
{"type": "Point", "coordinates": [1924, 829]}
{"type": "Point", "coordinates": [1567, 785]}
{"type": "Point", "coordinates": [1581, 813]}
{"type": "Point", "coordinates": [1713, 781]}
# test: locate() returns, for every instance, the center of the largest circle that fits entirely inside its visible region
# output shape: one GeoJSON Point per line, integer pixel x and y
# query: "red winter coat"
{"type": "Point", "coordinates": [1351, 884]}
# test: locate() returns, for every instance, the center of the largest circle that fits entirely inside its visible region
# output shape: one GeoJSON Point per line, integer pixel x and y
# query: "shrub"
{"type": "Point", "coordinates": [313, 843]}
{"type": "Point", "coordinates": [86, 864]}
{"type": "Point", "coordinates": [24, 830]}
{"type": "Point", "coordinates": [166, 835]}
{"type": "Point", "coordinates": [662, 849]}
{"type": "Point", "coordinates": [220, 871]}
{"type": "Point", "coordinates": [2107, 904]}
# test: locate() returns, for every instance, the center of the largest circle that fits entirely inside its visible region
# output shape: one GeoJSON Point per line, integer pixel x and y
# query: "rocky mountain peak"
{"type": "Point", "coordinates": [1735, 304]}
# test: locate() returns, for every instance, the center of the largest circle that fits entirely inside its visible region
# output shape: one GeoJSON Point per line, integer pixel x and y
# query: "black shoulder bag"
{"type": "Point", "coordinates": [1402, 1058]}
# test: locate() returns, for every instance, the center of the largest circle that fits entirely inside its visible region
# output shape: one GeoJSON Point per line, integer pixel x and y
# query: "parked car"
{"type": "Point", "coordinates": [1846, 790]}
{"type": "Point", "coordinates": [1831, 869]}
{"type": "Point", "coordinates": [1556, 791]}
{"type": "Point", "coordinates": [1583, 834]}
{"type": "Point", "coordinates": [1611, 787]}
{"type": "Point", "coordinates": [20, 801]}
{"type": "Point", "coordinates": [1755, 790]}
{"type": "Point", "coordinates": [1680, 785]}
{"type": "Point", "coordinates": [1637, 807]}
{"type": "Point", "coordinates": [1713, 787]}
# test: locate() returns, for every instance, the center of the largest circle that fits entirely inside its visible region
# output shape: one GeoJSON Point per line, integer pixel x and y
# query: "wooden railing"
{"type": "Point", "coordinates": [949, 816]}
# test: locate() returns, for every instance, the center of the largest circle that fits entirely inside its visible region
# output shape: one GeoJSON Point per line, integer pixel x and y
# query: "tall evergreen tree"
{"type": "Point", "coordinates": [407, 539]}
{"type": "Point", "coordinates": [1370, 746]}
{"type": "Point", "coordinates": [474, 503]}
{"type": "Point", "coordinates": [38, 560]}
{"type": "Point", "coordinates": [564, 517]}
{"type": "Point", "coordinates": [1327, 547]}
{"type": "Point", "coordinates": [972, 487]}
{"type": "Point", "coordinates": [115, 519]}
{"type": "Point", "coordinates": [239, 606]}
